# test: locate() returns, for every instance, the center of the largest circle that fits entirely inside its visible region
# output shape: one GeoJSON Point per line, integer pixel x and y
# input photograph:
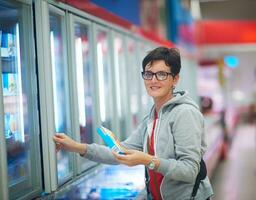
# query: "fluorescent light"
{"type": "Point", "coordinates": [22, 136]}
{"type": "Point", "coordinates": [56, 116]}
{"type": "Point", "coordinates": [117, 65]}
{"type": "Point", "coordinates": [80, 82]}
{"type": "Point", "coordinates": [101, 82]}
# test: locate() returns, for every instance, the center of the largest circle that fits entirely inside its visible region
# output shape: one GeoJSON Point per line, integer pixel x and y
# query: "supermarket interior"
{"type": "Point", "coordinates": [71, 66]}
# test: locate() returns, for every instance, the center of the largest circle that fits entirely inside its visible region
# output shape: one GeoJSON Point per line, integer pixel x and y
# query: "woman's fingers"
{"type": "Point", "coordinates": [64, 142]}
{"type": "Point", "coordinates": [115, 154]}
{"type": "Point", "coordinates": [60, 135]}
{"type": "Point", "coordinates": [132, 157]}
{"type": "Point", "coordinates": [128, 151]}
{"type": "Point", "coordinates": [123, 159]}
{"type": "Point", "coordinates": [58, 139]}
{"type": "Point", "coordinates": [58, 147]}
{"type": "Point", "coordinates": [119, 156]}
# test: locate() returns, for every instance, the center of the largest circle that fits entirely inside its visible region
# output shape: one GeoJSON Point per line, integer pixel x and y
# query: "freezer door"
{"type": "Point", "coordinates": [19, 97]}
{"type": "Point", "coordinates": [133, 73]}
{"type": "Point", "coordinates": [104, 82]}
{"type": "Point", "coordinates": [84, 102]}
{"type": "Point", "coordinates": [60, 84]}
{"type": "Point", "coordinates": [52, 41]}
{"type": "Point", "coordinates": [121, 85]}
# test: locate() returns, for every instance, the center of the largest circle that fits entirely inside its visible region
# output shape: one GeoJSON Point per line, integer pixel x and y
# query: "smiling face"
{"type": "Point", "coordinates": [160, 91]}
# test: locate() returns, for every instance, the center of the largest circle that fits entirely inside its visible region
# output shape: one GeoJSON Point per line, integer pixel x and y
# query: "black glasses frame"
{"type": "Point", "coordinates": [156, 74]}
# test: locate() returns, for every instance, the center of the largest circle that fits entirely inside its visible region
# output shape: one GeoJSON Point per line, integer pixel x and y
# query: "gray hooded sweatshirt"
{"type": "Point", "coordinates": [179, 145]}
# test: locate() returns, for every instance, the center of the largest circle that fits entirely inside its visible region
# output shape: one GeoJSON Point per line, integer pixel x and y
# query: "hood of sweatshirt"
{"type": "Point", "coordinates": [179, 97]}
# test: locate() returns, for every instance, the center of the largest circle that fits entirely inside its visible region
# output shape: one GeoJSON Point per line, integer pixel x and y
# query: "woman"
{"type": "Point", "coordinates": [169, 141]}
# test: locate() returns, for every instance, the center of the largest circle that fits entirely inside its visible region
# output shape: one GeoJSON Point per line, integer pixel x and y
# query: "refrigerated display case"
{"type": "Point", "coordinates": [133, 73]}
{"type": "Point", "coordinates": [105, 76]}
{"type": "Point", "coordinates": [84, 103]}
{"type": "Point", "coordinates": [84, 80]}
{"type": "Point", "coordinates": [121, 86]}
{"type": "Point", "coordinates": [60, 86]}
{"type": "Point", "coordinates": [21, 125]}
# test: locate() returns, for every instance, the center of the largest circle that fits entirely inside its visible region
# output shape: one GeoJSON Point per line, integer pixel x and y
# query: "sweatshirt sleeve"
{"type": "Point", "coordinates": [102, 154]}
{"type": "Point", "coordinates": [187, 130]}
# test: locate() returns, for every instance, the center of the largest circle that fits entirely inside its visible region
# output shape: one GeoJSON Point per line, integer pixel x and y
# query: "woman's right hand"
{"type": "Point", "coordinates": [62, 141]}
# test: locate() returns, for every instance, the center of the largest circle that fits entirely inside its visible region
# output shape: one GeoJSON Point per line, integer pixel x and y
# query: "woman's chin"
{"type": "Point", "coordinates": [154, 95]}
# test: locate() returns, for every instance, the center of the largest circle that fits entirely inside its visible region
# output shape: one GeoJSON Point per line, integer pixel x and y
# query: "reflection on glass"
{"type": "Point", "coordinates": [14, 105]}
{"type": "Point", "coordinates": [134, 87]}
{"type": "Point", "coordinates": [60, 91]}
{"type": "Point", "coordinates": [146, 101]}
{"type": "Point", "coordinates": [104, 73]}
{"type": "Point", "coordinates": [108, 183]}
{"type": "Point", "coordinates": [120, 84]}
{"type": "Point", "coordinates": [84, 82]}
{"type": "Point", "coordinates": [16, 87]}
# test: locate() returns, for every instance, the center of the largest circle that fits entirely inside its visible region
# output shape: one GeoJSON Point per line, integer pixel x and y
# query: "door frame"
{"type": "Point", "coordinates": [3, 157]}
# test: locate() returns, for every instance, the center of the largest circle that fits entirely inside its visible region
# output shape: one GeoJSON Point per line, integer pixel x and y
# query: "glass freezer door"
{"type": "Point", "coordinates": [84, 81]}
{"type": "Point", "coordinates": [83, 95]}
{"type": "Point", "coordinates": [133, 73]}
{"type": "Point", "coordinates": [105, 89]}
{"type": "Point", "coordinates": [121, 85]}
{"type": "Point", "coordinates": [21, 126]}
{"type": "Point", "coordinates": [60, 88]}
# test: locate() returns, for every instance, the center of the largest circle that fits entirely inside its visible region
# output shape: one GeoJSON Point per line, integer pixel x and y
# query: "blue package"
{"type": "Point", "coordinates": [109, 139]}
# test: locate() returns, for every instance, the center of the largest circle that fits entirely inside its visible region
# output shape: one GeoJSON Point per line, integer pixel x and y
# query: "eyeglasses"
{"type": "Point", "coordinates": [160, 76]}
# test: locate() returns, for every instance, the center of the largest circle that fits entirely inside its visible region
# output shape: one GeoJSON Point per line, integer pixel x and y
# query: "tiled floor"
{"type": "Point", "coordinates": [235, 178]}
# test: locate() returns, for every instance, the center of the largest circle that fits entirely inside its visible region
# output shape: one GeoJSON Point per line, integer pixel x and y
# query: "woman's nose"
{"type": "Point", "coordinates": [154, 79]}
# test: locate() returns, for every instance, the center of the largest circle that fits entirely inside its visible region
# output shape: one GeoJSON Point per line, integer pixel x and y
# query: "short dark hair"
{"type": "Point", "coordinates": [170, 56]}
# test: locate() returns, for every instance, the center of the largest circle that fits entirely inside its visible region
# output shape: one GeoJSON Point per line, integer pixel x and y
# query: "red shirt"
{"type": "Point", "coordinates": [152, 174]}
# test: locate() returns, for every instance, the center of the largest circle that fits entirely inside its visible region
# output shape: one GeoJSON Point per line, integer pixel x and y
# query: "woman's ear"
{"type": "Point", "coordinates": [176, 79]}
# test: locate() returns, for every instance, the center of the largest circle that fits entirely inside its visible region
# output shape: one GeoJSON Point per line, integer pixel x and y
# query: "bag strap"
{"type": "Point", "coordinates": [200, 176]}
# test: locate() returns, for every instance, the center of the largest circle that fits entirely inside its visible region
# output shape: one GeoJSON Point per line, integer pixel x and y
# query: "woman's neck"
{"type": "Point", "coordinates": [159, 102]}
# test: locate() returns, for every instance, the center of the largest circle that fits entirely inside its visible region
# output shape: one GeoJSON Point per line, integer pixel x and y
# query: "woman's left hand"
{"type": "Point", "coordinates": [133, 157]}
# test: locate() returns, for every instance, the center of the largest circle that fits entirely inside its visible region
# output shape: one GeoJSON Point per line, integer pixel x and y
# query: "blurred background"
{"type": "Point", "coordinates": [71, 65]}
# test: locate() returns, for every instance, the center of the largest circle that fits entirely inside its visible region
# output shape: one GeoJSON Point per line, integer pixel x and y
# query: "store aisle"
{"type": "Point", "coordinates": [235, 178]}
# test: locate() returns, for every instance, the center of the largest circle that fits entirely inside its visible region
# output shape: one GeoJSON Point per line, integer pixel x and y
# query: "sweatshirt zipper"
{"type": "Point", "coordinates": [156, 131]}
{"type": "Point", "coordinates": [155, 141]}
